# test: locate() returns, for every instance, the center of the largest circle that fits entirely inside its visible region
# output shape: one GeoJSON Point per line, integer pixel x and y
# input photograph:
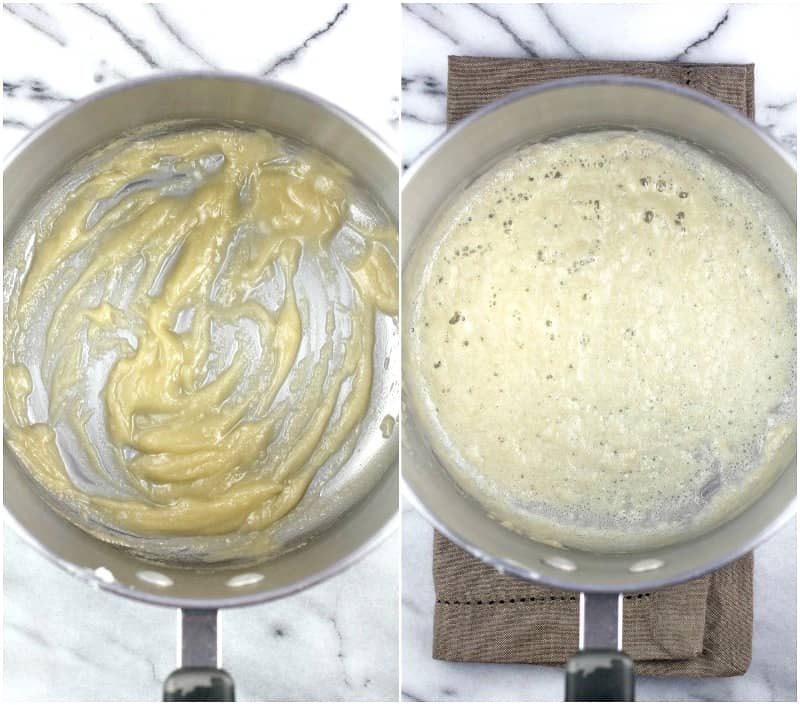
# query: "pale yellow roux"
{"type": "Point", "coordinates": [197, 453]}
{"type": "Point", "coordinates": [606, 330]}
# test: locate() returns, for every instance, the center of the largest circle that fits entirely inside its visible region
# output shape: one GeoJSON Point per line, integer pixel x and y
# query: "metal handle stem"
{"type": "Point", "coordinates": [199, 677]}
{"type": "Point", "coordinates": [198, 640]}
{"type": "Point", "coordinates": [600, 621]}
{"type": "Point", "coordinates": [600, 671]}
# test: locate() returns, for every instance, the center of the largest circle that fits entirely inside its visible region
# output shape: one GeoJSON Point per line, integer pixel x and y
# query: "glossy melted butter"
{"type": "Point", "coordinates": [167, 371]}
{"type": "Point", "coordinates": [604, 345]}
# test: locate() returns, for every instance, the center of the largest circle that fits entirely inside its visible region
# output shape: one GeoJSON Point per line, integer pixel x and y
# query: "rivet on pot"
{"type": "Point", "coordinates": [561, 563]}
{"type": "Point", "coordinates": [154, 578]}
{"type": "Point", "coordinates": [646, 564]}
{"type": "Point", "coordinates": [104, 574]}
{"type": "Point", "coordinates": [244, 580]}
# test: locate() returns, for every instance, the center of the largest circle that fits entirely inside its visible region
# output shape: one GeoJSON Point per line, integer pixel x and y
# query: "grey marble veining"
{"type": "Point", "coordinates": [61, 52]}
{"type": "Point", "coordinates": [698, 32]}
{"type": "Point", "coordinates": [64, 640]}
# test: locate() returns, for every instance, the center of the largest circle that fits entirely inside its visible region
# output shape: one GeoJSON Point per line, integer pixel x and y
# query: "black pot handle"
{"type": "Point", "coordinates": [199, 677]}
{"type": "Point", "coordinates": [598, 675]}
{"type": "Point", "coordinates": [600, 671]}
{"type": "Point", "coordinates": [197, 684]}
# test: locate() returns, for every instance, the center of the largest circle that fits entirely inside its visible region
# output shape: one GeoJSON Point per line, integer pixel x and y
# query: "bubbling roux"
{"type": "Point", "coordinates": [604, 345]}
{"type": "Point", "coordinates": [189, 331]}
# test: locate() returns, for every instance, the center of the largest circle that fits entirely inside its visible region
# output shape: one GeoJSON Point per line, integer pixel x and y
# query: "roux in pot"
{"type": "Point", "coordinates": [189, 331]}
{"type": "Point", "coordinates": [603, 348]}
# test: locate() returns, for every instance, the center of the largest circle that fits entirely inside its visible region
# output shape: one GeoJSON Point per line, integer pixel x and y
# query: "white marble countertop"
{"type": "Point", "coordinates": [764, 35]}
{"type": "Point", "coordinates": [62, 639]}
{"type": "Point", "coordinates": [703, 32]}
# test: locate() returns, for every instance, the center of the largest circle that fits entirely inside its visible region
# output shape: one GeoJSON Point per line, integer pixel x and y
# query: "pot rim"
{"type": "Point", "coordinates": [603, 79]}
{"type": "Point", "coordinates": [563, 580]}
{"type": "Point", "coordinates": [178, 76]}
{"type": "Point", "coordinates": [93, 579]}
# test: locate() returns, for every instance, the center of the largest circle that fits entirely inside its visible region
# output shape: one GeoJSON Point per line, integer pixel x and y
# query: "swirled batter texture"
{"type": "Point", "coordinates": [604, 345]}
{"type": "Point", "coordinates": [189, 331]}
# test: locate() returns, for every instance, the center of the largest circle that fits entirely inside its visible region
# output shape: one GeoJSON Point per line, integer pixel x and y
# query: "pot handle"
{"type": "Point", "coordinates": [199, 677]}
{"type": "Point", "coordinates": [600, 671]}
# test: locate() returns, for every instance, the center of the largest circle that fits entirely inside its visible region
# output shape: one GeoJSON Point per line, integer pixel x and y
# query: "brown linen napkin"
{"type": "Point", "coordinates": [700, 628]}
{"type": "Point", "coordinates": [474, 81]}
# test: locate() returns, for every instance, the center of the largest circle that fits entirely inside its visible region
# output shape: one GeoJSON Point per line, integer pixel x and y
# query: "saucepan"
{"type": "Point", "coordinates": [600, 670]}
{"type": "Point", "coordinates": [198, 592]}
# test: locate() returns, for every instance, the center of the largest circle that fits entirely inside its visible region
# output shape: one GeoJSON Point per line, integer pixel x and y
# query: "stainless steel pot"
{"type": "Point", "coordinates": [35, 164]}
{"type": "Point", "coordinates": [556, 108]}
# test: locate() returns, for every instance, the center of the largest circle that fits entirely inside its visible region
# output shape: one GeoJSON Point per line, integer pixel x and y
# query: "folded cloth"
{"type": "Point", "coordinates": [474, 81]}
